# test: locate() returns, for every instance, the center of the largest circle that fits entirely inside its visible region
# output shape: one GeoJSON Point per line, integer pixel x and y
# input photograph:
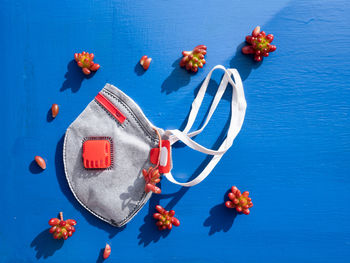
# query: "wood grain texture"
{"type": "Point", "coordinates": [293, 153]}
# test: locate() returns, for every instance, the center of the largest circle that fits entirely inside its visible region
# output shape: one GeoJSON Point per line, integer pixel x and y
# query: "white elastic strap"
{"type": "Point", "coordinates": [238, 107]}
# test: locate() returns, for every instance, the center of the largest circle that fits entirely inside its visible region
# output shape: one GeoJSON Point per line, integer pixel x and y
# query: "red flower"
{"type": "Point", "coordinates": [85, 61]}
{"type": "Point", "coordinates": [194, 59]}
{"type": "Point", "coordinates": [259, 44]}
{"type": "Point", "coordinates": [242, 202]}
{"type": "Point", "coordinates": [166, 219]}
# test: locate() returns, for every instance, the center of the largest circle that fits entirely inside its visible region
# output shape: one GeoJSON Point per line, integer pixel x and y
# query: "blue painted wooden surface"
{"type": "Point", "coordinates": [293, 153]}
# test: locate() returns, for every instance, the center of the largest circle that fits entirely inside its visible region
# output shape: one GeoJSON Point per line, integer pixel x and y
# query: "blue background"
{"type": "Point", "coordinates": [292, 153]}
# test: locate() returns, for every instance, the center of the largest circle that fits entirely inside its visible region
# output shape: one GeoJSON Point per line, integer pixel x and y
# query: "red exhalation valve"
{"type": "Point", "coordinates": [97, 154]}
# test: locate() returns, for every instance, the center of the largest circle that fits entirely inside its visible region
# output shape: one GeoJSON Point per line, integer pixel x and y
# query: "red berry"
{"type": "Point", "coordinates": [246, 211]}
{"type": "Point", "coordinates": [229, 204]}
{"type": "Point", "coordinates": [107, 251]}
{"type": "Point", "coordinates": [52, 229]}
{"type": "Point", "coordinates": [71, 222]}
{"type": "Point", "coordinates": [54, 221]}
{"type": "Point", "coordinates": [231, 196]}
{"type": "Point", "coordinates": [54, 110]}
{"type": "Point", "coordinates": [175, 221]}
{"type": "Point", "coordinates": [41, 162]}
{"type": "Point", "coordinates": [86, 71]}
{"type": "Point", "coordinates": [272, 48]}
{"type": "Point", "coordinates": [269, 37]}
{"type": "Point", "coordinates": [258, 58]}
{"type": "Point", "coordinates": [248, 50]}
{"type": "Point", "coordinates": [256, 31]}
{"type": "Point", "coordinates": [145, 62]}
{"type": "Point", "coordinates": [160, 209]}
{"type": "Point", "coordinates": [248, 39]}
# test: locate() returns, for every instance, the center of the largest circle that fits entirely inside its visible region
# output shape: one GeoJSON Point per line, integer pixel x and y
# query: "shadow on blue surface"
{"type": "Point", "coordinates": [178, 78]}
{"type": "Point", "coordinates": [139, 69]}
{"type": "Point", "coordinates": [49, 117]}
{"type": "Point", "coordinates": [34, 168]}
{"type": "Point", "coordinates": [74, 77]}
{"type": "Point", "coordinates": [100, 258]}
{"type": "Point", "coordinates": [243, 63]}
{"type": "Point", "coordinates": [44, 245]}
{"type": "Point", "coordinates": [221, 218]}
{"type": "Point", "coordinates": [61, 178]}
{"type": "Point", "coordinates": [149, 231]}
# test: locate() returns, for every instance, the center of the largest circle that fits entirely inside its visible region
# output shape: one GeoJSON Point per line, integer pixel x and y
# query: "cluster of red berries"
{"type": "Point", "coordinates": [62, 228]}
{"type": "Point", "coordinates": [259, 44]}
{"type": "Point", "coordinates": [241, 201]}
{"type": "Point", "coordinates": [85, 61]}
{"type": "Point", "coordinates": [152, 177]}
{"type": "Point", "coordinates": [165, 218]}
{"type": "Point", "coordinates": [192, 60]}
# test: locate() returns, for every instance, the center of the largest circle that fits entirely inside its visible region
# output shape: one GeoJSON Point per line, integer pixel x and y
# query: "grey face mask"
{"type": "Point", "coordinates": [111, 142]}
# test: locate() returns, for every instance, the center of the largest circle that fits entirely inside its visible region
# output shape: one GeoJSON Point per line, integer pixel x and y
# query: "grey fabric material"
{"type": "Point", "coordinates": [115, 195]}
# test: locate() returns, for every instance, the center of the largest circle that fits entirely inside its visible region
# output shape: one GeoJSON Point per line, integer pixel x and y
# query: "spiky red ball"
{"type": "Point", "coordinates": [241, 201]}
{"type": "Point", "coordinates": [165, 218]}
{"type": "Point", "coordinates": [62, 228]}
{"type": "Point", "coordinates": [259, 44]}
{"type": "Point", "coordinates": [194, 59]}
{"type": "Point", "coordinates": [85, 61]}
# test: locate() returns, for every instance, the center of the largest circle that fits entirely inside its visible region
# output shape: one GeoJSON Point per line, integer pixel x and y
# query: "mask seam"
{"type": "Point", "coordinates": [132, 114]}
{"type": "Point", "coordinates": [121, 125]}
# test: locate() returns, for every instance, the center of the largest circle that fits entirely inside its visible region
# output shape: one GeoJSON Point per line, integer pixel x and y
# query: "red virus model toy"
{"type": "Point", "coordinates": [242, 202]}
{"type": "Point", "coordinates": [194, 59]}
{"type": "Point", "coordinates": [85, 61]}
{"type": "Point", "coordinates": [62, 228]}
{"type": "Point", "coordinates": [259, 44]}
{"type": "Point", "coordinates": [166, 219]}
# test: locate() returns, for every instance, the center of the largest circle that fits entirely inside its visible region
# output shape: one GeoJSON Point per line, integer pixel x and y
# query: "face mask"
{"type": "Point", "coordinates": [109, 149]}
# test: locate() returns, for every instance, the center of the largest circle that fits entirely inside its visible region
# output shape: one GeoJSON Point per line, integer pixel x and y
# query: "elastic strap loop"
{"type": "Point", "coordinates": [238, 108]}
